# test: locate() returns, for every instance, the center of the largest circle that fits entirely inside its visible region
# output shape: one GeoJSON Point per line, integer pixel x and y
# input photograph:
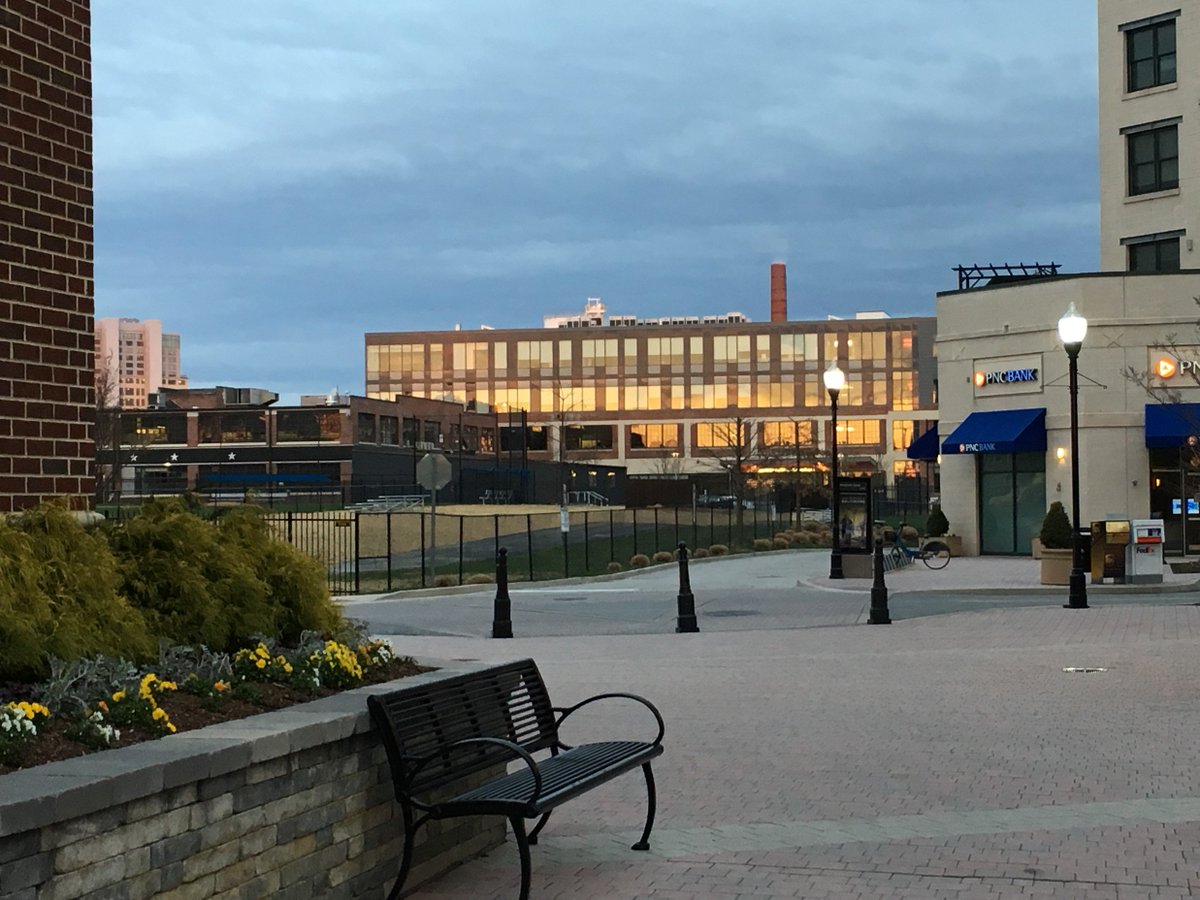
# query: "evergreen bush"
{"type": "Point", "coordinates": [217, 585]}
{"type": "Point", "coordinates": [937, 524]}
{"type": "Point", "coordinates": [1056, 528]}
{"type": "Point", "coordinates": [60, 596]}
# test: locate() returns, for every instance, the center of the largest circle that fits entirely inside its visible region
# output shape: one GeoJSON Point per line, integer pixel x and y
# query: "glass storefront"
{"type": "Point", "coordinates": [1012, 501]}
{"type": "Point", "coordinates": [1175, 496]}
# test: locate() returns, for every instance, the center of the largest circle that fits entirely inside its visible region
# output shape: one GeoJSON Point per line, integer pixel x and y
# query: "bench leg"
{"type": "Point", "coordinates": [541, 824]}
{"type": "Point", "coordinates": [644, 843]}
{"type": "Point", "coordinates": [406, 860]}
{"type": "Point", "coordinates": [518, 827]}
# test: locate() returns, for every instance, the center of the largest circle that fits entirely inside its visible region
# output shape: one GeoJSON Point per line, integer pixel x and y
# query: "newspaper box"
{"type": "Point", "coordinates": [1144, 555]}
{"type": "Point", "coordinates": [1110, 539]}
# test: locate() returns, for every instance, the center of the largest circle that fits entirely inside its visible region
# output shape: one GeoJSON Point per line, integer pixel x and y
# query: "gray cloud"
{"type": "Point", "coordinates": [273, 179]}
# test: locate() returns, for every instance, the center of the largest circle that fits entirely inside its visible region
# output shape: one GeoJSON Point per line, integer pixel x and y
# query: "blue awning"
{"type": "Point", "coordinates": [926, 446]}
{"type": "Point", "coordinates": [1171, 424]}
{"type": "Point", "coordinates": [1000, 431]}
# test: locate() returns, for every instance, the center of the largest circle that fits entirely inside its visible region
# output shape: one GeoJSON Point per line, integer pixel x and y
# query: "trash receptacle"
{"type": "Point", "coordinates": [1144, 554]}
{"type": "Point", "coordinates": [1109, 538]}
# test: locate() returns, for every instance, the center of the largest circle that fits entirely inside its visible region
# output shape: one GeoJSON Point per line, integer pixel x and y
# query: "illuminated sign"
{"type": "Point", "coordinates": [1165, 368]}
{"type": "Point", "coordinates": [977, 448]}
{"type": "Point", "coordinates": [1007, 376]}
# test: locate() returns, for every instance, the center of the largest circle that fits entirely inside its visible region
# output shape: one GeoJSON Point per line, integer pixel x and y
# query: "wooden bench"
{"type": "Point", "coordinates": [437, 733]}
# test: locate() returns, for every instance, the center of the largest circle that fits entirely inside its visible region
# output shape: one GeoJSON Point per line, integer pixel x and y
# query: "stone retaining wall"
{"type": "Point", "coordinates": [290, 804]}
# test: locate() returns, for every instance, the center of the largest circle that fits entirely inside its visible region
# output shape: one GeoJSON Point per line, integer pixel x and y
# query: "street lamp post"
{"type": "Point", "coordinates": [1072, 328]}
{"type": "Point", "coordinates": [835, 380]}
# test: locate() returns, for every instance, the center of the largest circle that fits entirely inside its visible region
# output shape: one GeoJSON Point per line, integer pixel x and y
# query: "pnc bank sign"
{"type": "Point", "coordinates": [1005, 376]}
{"type": "Point", "coordinates": [1168, 367]}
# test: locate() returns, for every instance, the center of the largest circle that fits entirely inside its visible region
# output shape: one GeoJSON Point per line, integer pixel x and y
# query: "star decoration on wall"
{"type": "Point", "coordinates": [174, 457]}
{"type": "Point", "coordinates": [232, 455]}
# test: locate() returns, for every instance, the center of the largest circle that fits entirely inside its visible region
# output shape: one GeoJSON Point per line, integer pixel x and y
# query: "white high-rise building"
{"type": "Point", "coordinates": [134, 359]}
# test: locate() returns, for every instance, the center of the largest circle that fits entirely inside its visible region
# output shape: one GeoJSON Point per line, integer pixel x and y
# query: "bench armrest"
{"type": "Point", "coordinates": [516, 749]}
{"type": "Point", "coordinates": [567, 710]}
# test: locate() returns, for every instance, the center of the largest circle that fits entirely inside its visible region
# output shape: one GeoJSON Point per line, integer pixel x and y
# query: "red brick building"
{"type": "Point", "coordinates": [46, 287]}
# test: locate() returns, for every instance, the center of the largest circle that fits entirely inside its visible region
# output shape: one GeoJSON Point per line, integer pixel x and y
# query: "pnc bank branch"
{"type": "Point", "coordinates": [1004, 432]}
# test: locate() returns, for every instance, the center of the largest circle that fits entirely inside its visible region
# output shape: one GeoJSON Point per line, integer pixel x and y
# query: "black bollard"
{"type": "Point", "coordinates": [686, 618]}
{"type": "Point", "coordinates": [502, 611]}
{"type": "Point", "coordinates": [879, 608]}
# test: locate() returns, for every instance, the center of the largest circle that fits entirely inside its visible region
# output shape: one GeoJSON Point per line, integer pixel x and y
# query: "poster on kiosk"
{"type": "Point", "coordinates": [1144, 560]}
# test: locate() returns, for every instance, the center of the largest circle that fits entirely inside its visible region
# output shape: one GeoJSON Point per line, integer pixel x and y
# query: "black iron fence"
{"type": "Point", "coordinates": [375, 552]}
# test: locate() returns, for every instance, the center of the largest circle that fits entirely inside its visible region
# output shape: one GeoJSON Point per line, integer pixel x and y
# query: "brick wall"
{"type": "Point", "coordinates": [46, 287]}
{"type": "Point", "coordinates": [293, 804]}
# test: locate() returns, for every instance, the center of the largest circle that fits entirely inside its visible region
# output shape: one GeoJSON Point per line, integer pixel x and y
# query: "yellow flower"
{"type": "Point", "coordinates": [287, 667]}
{"type": "Point", "coordinates": [159, 713]}
{"type": "Point", "coordinates": [170, 728]}
{"type": "Point", "coordinates": [118, 696]}
{"type": "Point", "coordinates": [262, 663]}
{"type": "Point", "coordinates": [262, 652]}
{"type": "Point", "coordinates": [220, 686]}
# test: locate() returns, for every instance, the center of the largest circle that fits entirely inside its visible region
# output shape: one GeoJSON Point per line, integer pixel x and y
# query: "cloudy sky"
{"type": "Point", "coordinates": [274, 178]}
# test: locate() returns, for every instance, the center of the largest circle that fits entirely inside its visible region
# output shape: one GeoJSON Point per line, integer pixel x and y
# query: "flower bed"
{"type": "Point", "coordinates": [99, 704]}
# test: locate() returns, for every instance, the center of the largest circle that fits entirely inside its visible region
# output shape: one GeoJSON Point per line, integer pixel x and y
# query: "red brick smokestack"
{"type": "Point", "coordinates": [778, 292]}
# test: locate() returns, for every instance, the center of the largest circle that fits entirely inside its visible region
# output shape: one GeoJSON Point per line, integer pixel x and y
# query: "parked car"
{"type": "Point", "coordinates": [719, 501]}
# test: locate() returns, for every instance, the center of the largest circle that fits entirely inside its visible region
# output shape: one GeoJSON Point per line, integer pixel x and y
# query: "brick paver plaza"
{"type": "Point", "coordinates": [948, 756]}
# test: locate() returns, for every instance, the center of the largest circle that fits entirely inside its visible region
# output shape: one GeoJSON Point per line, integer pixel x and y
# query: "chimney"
{"type": "Point", "coordinates": [778, 292]}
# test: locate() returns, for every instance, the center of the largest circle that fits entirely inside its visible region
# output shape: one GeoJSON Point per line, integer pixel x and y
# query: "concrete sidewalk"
{"type": "Point", "coordinates": [939, 757]}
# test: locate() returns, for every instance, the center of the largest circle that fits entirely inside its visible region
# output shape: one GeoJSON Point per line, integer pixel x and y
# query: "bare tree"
{"type": "Point", "coordinates": [106, 434]}
{"type": "Point", "coordinates": [734, 446]}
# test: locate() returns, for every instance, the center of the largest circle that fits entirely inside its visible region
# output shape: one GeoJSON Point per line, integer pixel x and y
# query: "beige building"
{"type": "Point", "coordinates": [1004, 401]}
{"type": "Point", "coordinates": [135, 359]}
{"type": "Point", "coordinates": [1149, 135]}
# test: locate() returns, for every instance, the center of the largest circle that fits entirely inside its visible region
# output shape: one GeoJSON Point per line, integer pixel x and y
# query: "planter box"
{"type": "Point", "coordinates": [1056, 566]}
{"type": "Point", "coordinates": [296, 802]}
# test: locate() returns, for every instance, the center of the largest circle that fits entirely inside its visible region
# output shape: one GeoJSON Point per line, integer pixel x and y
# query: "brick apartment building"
{"type": "Point", "coordinates": [666, 397]}
{"type": "Point", "coordinates": [46, 287]}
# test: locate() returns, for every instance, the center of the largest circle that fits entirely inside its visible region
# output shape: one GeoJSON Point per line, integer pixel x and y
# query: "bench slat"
{"type": "Point", "coordinates": [508, 702]}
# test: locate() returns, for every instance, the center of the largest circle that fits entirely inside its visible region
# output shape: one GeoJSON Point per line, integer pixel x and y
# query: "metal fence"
{"type": "Point", "coordinates": [374, 552]}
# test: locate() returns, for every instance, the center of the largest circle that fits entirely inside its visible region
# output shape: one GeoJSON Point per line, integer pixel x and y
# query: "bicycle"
{"type": "Point", "coordinates": [935, 554]}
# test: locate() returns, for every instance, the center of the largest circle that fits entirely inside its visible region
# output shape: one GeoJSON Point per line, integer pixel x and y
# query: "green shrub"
{"type": "Point", "coordinates": [614, 567]}
{"type": "Point", "coordinates": [639, 561]}
{"type": "Point", "coordinates": [937, 524]}
{"type": "Point", "coordinates": [780, 543]}
{"type": "Point", "coordinates": [700, 553]}
{"type": "Point", "coordinates": [664, 556]}
{"type": "Point", "coordinates": [762, 544]}
{"type": "Point", "coordinates": [218, 584]}
{"type": "Point", "coordinates": [1056, 528]}
{"type": "Point", "coordinates": [445, 581]}
{"type": "Point", "coordinates": [60, 596]}
{"type": "Point", "coordinates": [718, 550]}
{"type": "Point", "coordinates": [481, 578]}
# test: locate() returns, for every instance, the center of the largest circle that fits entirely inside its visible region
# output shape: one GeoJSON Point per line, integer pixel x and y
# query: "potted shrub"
{"type": "Point", "coordinates": [1056, 545]}
{"type": "Point", "coordinates": [938, 526]}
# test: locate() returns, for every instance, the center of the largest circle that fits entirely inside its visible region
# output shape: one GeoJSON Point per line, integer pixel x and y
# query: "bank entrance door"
{"type": "Point", "coordinates": [1012, 501]}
